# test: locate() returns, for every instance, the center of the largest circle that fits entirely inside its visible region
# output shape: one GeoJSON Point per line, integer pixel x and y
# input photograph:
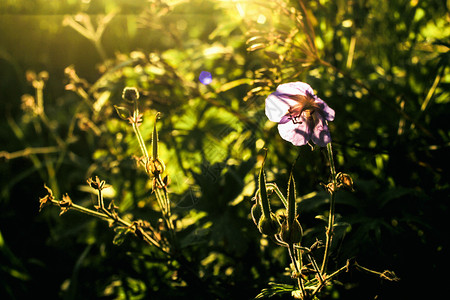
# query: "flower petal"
{"type": "Point", "coordinates": [321, 135]}
{"type": "Point", "coordinates": [279, 102]}
{"type": "Point", "coordinates": [278, 105]}
{"type": "Point", "coordinates": [326, 111]}
{"type": "Point", "coordinates": [295, 88]}
{"type": "Point", "coordinates": [296, 133]}
{"type": "Point", "coordinates": [285, 119]}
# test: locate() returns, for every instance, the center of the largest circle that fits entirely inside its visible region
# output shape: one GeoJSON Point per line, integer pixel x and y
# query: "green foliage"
{"type": "Point", "coordinates": [382, 66]}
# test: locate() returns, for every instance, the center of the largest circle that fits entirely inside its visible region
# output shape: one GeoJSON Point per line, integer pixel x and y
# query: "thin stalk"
{"type": "Point", "coordinates": [51, 172]}
{"type": "Point", "coordinates": [107, 216]}
{"type": "Point", "coordinates": [140, 140]}
{"type": "Point", "coordinates": [278, 192]}
{"type": "Point", "coordinates": [331, 276]}
{"type": "Point", "coordinates": [291, 250]}
{"type": "Point", "coordinates": [330, 227]}
{"type": "Point", "coordinates": [84, 210]}
{"type": "Point", "coordinates": [315, 266]}
{"type": "Point", "coordinates": [308, 252]}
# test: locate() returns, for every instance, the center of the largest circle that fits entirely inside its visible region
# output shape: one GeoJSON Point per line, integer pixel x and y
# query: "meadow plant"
{"type": "Point", "coordinates": [177, 129]}
{"type": "Point", "coordinates": [162, 236]}
{"type": "Point", "coordinates": [292, 103]}
{"type": "Point", "coordinates": [302, 116]}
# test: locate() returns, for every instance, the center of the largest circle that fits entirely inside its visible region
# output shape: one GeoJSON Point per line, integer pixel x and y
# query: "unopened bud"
{"type": "Point", "coordinates": [269, 225]}
{"type": "Point", "coordinates": [97, 183]}
{"type": "Point", "coordinates": [291, 234]}
{"type": "Point", "coordinates": [156, 166]}
{"type": "Point", "coordinates": [256, 212]}
{"type": "Point", "coordinates": [43, 75]}
{"type": "Point", "coordinates": [130, 94]}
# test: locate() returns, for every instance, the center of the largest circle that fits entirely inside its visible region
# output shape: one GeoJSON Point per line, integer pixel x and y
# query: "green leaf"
{"type": "Point", "coordinates": [123, 112]}
{"type": "Point", "coordinates": [255, 47]}
{"type": "Point", "coordinates": [322, 217]}
{"type": "Point", "coordinates": [121, 233]}
{"type": "Point", "coordinates": [275, 289]}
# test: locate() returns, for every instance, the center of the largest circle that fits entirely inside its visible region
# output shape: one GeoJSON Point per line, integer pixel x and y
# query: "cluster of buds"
{"type": "Point", "coordinates": [154, 166]}
{"type": "Point", "coordinates": [290, 231]}
{"type": "Point", "coordinates": [76, 84]}
{"type": "Point", "coordinates": [37, 80]}
{"type": "Point", "coordinates": [34, 104]}
{"type": "Point", "coordinates": [97, 184]}
{"type": "Point", "coordinates": [65, 204]}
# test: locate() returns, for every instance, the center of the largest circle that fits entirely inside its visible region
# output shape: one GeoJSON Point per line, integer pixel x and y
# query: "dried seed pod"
{"type": "Point", "coordinates": [345, 181]}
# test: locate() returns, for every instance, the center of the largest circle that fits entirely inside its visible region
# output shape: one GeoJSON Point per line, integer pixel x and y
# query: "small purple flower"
{"type": "Point", "coordinates": [205, 77]}
{"type": "Point", "coordinates": [301, 115]}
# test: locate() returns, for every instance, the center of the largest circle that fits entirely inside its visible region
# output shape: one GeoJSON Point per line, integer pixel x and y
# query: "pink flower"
{"type": "Point", "coordinates": [301, 115]}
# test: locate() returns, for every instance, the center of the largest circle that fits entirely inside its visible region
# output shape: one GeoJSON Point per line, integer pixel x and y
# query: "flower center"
{"type": "Point", "coordinates": [308, 113]}
{"type": "Point", "coordinates": [305, 106]}
{"type": "Point", "coordinates": [294, 115]}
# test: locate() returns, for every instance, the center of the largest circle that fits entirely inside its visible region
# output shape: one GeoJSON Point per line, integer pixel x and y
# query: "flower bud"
{"type": "Point", "coordinates": [43, 76]}
{"type": "Point", "coordinates": [256, 212]}
{"type": "Point", "coordinates": [97, 183]}
{"type": "Point", "coordinates": [156, 166]}
{"type": "Point", "coordinates": [130, 94]}
{"type": "Point", "coordinates": [291, 234]}
{"type": "Point", "coordinates": [269, 225]}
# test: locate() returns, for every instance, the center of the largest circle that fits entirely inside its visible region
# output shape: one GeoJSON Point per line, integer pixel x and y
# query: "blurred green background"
{"type": "Point", "coordinates": [381, 65]}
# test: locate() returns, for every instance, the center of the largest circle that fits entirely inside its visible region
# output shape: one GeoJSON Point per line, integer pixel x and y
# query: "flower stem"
{"type": "Point", "coordinates": [291, 249]}
{"type": "Point", "coordinates": [332, 190]}
{"type": "Point", "coordinates": [140, 140]}
{"type": "Point", "coordinates": [330, 277]}
{"type": "Point", "coordinates": [107, 216]}
{"type": "Point", "coordinates": [275, 188]}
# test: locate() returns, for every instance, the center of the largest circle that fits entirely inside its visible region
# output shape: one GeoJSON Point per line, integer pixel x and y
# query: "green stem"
{"type": "Point", "coordinates": [140, 140]}
{"type": "Point", "coordinates": [85, 210]}
{"type": "Point", "coordinates": [291, 250]}
{"type": "Point", "coordinates": [332, 190]}
{"type": "Point", "coordinates": [331, 276]}
{"type": "Point", "coordinates": [278, 192]}
{"type": "Point", "coordinates": [331, 159]}
{"type": "Point", "coordinates": [316, 267]}
{"type": "Point", "coordinates": [107, 216]}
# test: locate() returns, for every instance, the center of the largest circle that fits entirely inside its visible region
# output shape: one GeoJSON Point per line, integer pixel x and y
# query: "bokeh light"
{"type": "Point", "coordinates": [205, 77]}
